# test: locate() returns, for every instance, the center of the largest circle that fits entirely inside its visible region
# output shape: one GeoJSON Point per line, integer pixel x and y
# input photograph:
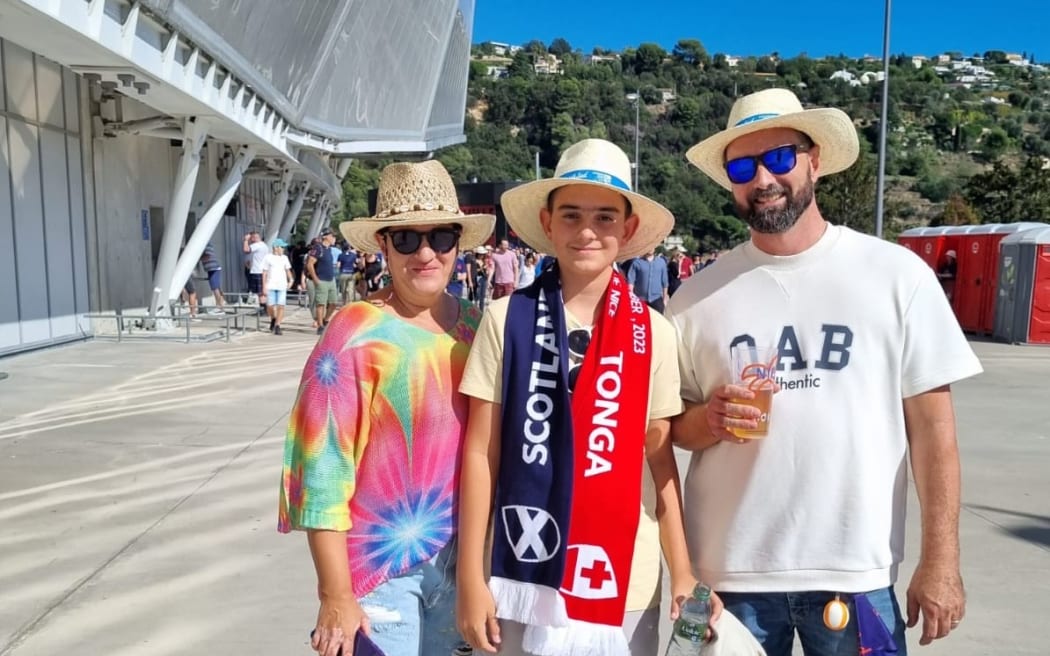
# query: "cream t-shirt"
{"type": "Point", "coordinates": [483, 379]}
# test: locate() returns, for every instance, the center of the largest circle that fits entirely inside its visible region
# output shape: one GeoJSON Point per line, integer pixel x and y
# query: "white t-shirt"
{"type": "Point", "coordinates": [259, 251]}
{"type": "Point", "coordinates": [819, 503]}
{"type": "Point", "coordinates": [275, 268]}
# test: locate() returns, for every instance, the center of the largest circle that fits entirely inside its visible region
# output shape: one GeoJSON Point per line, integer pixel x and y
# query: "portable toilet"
{"type": "Point", "coordinates": [1022, 313]}
{"type": "Point", "coordinates": [911, 239]}
{"type": "Point", "coordinates": [989, 288]}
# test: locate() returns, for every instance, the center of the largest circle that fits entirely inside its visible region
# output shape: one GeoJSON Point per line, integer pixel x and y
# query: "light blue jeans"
{"type": "Point", "coordinates": [774, 617]}
{"type": "Point", "coordinates": [415, 613]}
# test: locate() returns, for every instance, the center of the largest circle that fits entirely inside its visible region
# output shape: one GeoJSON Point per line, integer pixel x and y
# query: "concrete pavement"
{"type": "Point", "coordinates": [138, 492]}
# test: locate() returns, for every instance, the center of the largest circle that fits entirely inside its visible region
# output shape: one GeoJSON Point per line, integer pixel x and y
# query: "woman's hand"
{"type": "Point", "coordinates": [476, 616]}
{"type": "Point", "coordinates": [338, 621]}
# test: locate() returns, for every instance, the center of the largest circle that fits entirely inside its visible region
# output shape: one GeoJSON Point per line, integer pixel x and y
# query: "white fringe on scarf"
{"type": "Point", "coordinates": [528, 603]}
{"type": "Point", "coordinates": [548, 629]}
{"type": "Point", "coordinates": [576, 639]}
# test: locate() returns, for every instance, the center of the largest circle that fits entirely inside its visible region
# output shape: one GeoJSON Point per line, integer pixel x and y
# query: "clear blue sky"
{"type": "Point", "coordinates": [758, 27]}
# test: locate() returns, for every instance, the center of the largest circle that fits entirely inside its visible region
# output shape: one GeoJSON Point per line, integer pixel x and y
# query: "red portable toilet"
{"type": "Point", "coordinates": [1022, 313]}
{"type": "Point", "coordinates": [971, 280]}
{"type": "Point", "coordinates": [911, 239]}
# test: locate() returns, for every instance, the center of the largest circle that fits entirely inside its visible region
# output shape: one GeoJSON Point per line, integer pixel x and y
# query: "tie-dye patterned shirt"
{"type": "Point", "coordinates": [374, 440]}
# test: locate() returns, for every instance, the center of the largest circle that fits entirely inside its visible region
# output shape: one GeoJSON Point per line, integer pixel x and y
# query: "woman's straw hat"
{"type": "Point", "coordinates": [589, 162]}
{"type": "Point", "coordinates": [416, 194]}
{"type": "Point", "coordinates": [831, 129]}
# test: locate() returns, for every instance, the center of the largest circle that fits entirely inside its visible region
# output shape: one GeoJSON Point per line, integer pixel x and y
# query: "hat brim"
{"type": "Point", "coordinates": [829, 128]}
{"type": "Point", "coordinates": [361, 233]}
{"type": "Point", "coordinates": [522, 204]}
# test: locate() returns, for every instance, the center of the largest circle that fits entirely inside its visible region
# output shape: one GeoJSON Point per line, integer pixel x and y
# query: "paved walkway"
{"type": "Point", "coordinates": [138, 491]}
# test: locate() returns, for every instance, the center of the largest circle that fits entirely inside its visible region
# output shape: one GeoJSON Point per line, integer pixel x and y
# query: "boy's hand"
{"type": "Point", "coordinates": [476, 616]}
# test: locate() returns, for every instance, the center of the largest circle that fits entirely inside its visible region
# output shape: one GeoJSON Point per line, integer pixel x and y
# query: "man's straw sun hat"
{"type": "Point", "coordinates": [829, 128]}
{"type": "Point", "coordinates": [589, 162]}
{"type": "Point", "coordinates": [416, 194]}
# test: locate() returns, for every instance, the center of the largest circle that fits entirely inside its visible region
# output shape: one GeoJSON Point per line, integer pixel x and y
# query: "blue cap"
{"type": "Point", "coordinates": [280, 242]}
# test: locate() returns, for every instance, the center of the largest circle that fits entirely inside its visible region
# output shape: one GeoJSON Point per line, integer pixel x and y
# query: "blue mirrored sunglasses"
{"type": "Point", "coordinates": [778, 161]}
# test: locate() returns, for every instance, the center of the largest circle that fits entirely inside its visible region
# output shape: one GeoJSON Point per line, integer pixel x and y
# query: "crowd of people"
{"type": "Point", "coordinates": [480, 451]}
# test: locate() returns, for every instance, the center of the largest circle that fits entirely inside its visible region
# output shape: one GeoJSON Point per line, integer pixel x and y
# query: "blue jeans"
{"type": "Point", "coordinates": [415, 613]}
{"type": "Point", "coordinates": [774, 617]}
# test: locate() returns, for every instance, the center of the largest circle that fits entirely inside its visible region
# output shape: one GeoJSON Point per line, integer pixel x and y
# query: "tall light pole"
{"type": "Point", "coordinates": [636, 98]}
{"type": "Point", "coordinates": [881, 184]}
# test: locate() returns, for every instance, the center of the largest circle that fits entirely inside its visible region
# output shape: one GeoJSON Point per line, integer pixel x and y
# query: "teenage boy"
{"type": "Point", "coordinates": [556, 438]}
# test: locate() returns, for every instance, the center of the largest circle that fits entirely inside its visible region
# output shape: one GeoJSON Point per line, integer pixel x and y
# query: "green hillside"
{"type": "Point", "coordinates": [969, 135]}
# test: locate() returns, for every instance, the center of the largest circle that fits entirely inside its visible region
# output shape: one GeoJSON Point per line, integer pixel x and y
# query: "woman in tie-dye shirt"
{"type": "Point", "coordinates": [372, 453]}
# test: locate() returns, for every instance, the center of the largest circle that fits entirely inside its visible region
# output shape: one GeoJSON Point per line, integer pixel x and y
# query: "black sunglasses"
{"type": "Point", "coordinates": [579, 340]}
{"type": "Point", "coordinates": [778, 161]}
{"type": "Point", "coordinates": [407, 242]}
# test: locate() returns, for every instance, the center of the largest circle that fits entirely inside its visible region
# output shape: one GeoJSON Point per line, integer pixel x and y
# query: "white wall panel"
{"type": "Point", "coordinates": [24, 147]}
{"type": "Point", "coordinates": [9, 329]}
{"type": "Point", "coordinates": [59, 243]}
{"type": "Point", "coordinates": [50, 104]}
{"type": "Point", "coordinates": [78, 220]}
{"type": "Point", "coordinates": [18, 80]}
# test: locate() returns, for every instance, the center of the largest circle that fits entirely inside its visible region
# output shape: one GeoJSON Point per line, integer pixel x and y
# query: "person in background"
{"type": "Point", "coordinates": [276, 278]}
{"type": "Point", "coordinates": [504, 270]}
{"type": "Point", "coordinates": [810, 518]}
{"type": "Point", "coordinates": [528, 271]}
{"type": "Point", "coordinates": [213, 268]}
{"type": "Point", "coordinates": [371, 457]}
{"type": "Point", "coordinates": [347, 272]}
{"type": "Point", "coordinates": [320, 268]}
{"type": "Point", "coordinates": [946, 273]}
{"type": "Point", "coordinates": [647, 276]}
{"type": "Point", "coordinates": [256, 250]}
{"type": "Point", "coordinates": [457, 284]}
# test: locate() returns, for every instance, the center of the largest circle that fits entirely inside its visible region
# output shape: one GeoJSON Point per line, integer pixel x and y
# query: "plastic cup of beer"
{"type": "Point", "coordinates": [755, 368]}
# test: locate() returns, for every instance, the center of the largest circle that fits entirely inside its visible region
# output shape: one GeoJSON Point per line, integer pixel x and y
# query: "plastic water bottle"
{"type": "Point", "coordinates": [687, 636]}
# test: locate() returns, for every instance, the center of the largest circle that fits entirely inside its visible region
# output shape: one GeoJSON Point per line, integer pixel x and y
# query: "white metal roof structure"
{"type": "Point", "coordinates": [291, 88]}
{"type": "Point", "coordinates": [343, 77]}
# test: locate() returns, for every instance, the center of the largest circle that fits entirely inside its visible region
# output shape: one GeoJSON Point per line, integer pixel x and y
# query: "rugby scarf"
{"type": "Point", "coordinates": [569, 486]}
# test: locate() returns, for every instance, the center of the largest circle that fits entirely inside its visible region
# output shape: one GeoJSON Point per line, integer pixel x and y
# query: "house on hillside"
{"type": "Point", "coordinates": [495, 66]}
{"type": "Point", "coordinates": [872, 76]}
{"type": "Point", "coordinates": [918, 61]}
{"type": "Point", "coordinates": [547, 64]}
{"type": "Point", "coordinates": [1016, 59]}
{"type": "Point", "coordinates": [944, 58]}
{"type": "Point", "coordinates": [847, 77]}
{"type": "Point", "coordinates": [732, 61]}
{"type": "Point", "coordinates": [500, 49]}
{"type": "Point", "coordinates": [599, 59]}
{"type": "Point", "coordinates": [667, 95]}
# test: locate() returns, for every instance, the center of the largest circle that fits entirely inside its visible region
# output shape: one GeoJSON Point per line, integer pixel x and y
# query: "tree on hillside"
{"type": "Point", "coordinates": [848, 198]}
{"type": "Point", "coordinates": [536, 47]}
{"type": "Point", "coordinates": [691, 52]}
{"type": "Point", "coordinates": [648, 57]}
{"type": "Point", "coordinates": [1004, 195]}
{"type": "Point", "coordinates": [956, 212]}
{"type": "Point", "coordinates": [559, 47]}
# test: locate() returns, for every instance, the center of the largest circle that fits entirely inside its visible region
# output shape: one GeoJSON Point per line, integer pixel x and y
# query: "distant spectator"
{"type": "Point", "coordinates": [347, 271]}
{"type": "Point", "coordinates": [212, 266]}
{"type": "Point", "coordinates": [528, 271]}
{"type": "Point", "coordinates": [946, 272]}
{"type": "Point", "coordinates": [321, 270]}
{"type": "Point", "coordinates": [648, 277]}
{"type": "Point", "coordinates": [276, 278]}
{"type": "Point", "coordinates": [505, 270]}
{"type": "Point", "coordinates": [257, 249]}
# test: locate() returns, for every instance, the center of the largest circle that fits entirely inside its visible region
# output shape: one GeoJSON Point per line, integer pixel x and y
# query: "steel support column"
{"type": "Point", "coordinates": [317, 221]}
{"type": "Point", "coordinates": [194, 134]}
{"type": "Point", "coordinates": [207, 223]}
{"type": "Point", "coordinates": [278, 206]}
{"type": "Point", "coordinates": [292, 215]}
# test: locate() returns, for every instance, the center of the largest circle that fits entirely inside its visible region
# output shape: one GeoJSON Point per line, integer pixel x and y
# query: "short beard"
{"type": "Point", "coordinates": [776, 220]}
